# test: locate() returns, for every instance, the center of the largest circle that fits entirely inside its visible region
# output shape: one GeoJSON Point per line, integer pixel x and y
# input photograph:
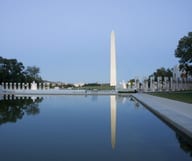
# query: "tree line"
{"type": "Point", "coordinates": [13, 71]}
{"type": "Point", "coordinates": [184, 53]}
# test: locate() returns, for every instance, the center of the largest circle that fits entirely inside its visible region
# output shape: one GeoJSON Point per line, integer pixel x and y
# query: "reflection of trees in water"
{"type": "Point", "coordinates": [185, 143]}
{"type": "Point", "coordinates": [33, 109]}
{"type": "Point", "coordinates": [14, 108]}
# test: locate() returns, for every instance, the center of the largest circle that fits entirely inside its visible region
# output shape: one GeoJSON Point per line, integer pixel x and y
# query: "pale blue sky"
{"type": "Point", "coordinates": [70, 39]}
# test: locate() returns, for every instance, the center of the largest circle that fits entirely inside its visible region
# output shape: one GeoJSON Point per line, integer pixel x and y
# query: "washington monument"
{"type": "Point", "coordinates": [113, 80]}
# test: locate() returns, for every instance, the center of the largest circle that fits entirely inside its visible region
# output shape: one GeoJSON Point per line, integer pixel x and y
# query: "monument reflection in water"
{"type": "Point", "coordinates": [76, 128]}
{"type": "Point", "coordinates": [113, 107]}
{"type": "Point", "coordinates": [185, 143]}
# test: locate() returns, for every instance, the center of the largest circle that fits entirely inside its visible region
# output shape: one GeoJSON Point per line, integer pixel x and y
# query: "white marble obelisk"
{"type": "Point", "coordinates": [113, 80]}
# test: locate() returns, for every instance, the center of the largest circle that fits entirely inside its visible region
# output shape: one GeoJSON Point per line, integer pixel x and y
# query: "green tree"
{"type": "Point", "coordinates": [184, 53]}
{"type": "Point", "coordinates": [162, 72]}
{"type": "Point", "coordinates": [11, 70]}
{"type": "Point", "coordinates": [32, 74]}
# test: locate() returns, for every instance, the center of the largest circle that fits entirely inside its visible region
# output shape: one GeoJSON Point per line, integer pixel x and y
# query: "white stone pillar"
{"type": "Point", "coordinates": [159, 83]}
{"type": "Point", "coordinates": [43, 86]}
{"type": "Point", "coordinates": [40, 86]}
{"type": "Point", "coordinates": [177, 84]}
{"type": "Point", "coordinates": [14, 86]}
{"type": "Point", "coordinates": [166, 83]}
{"type": "Point", "coordinates": [19, 86]}
{"type": "Point", "coordinates": [23, 86]}
{"type": "Point", "coordinates": [3, 85]}
{"type": "Point", "coordinates": [48, 85]}
{"type": "Point", "coordinates": [151, 81]}
{"type": "Point", "coordinates": [171, 84]}
{"type": "Point", "coordinates": [137, 83]}
{"type": "Point", "coordinates": [152, 84]}
{"type": "Point", "coordinates": [10, 86]}
{"type": "Point", "coordinates": [145, 85]}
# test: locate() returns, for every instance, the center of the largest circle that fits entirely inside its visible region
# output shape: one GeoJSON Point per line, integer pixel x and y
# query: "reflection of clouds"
{"type": "Point", "coordinates": [113, 120]}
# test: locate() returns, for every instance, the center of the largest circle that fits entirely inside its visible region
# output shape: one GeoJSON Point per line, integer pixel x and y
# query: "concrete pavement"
{"type": "Point", "coordinates": [177, 114]}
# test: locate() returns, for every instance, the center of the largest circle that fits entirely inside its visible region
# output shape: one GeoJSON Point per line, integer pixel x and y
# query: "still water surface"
{"type": "Point", "coordinates": [85, 128]}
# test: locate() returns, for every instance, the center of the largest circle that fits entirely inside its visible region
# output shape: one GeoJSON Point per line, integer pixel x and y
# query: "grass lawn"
{"type": "Point", "coordinates": [184, 96]}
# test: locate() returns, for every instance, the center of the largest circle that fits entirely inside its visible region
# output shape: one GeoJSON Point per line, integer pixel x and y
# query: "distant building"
{"type": "Point", "coordinates": [79, 84]}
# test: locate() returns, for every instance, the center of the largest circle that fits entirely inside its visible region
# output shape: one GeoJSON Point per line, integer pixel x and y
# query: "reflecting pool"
{"type": "Point", "coordinates": [85, 128]}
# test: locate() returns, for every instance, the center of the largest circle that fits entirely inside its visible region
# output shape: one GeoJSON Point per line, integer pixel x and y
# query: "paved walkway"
{"type": "Point", "coordinates": [178, 114]}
